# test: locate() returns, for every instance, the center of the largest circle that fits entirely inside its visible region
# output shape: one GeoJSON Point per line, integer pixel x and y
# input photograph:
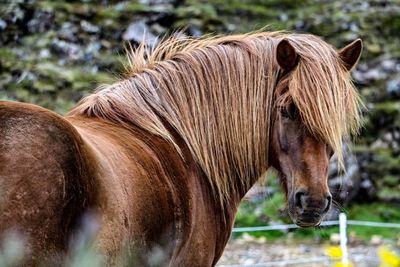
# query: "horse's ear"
{"type": "Point", "coordinates": [351, 53]}
{"type": "Point", "coordinates": [286, 56]}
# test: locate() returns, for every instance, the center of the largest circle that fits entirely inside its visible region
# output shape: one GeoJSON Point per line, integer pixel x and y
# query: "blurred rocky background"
{"type": "Point", "coordinates": [52, 53]}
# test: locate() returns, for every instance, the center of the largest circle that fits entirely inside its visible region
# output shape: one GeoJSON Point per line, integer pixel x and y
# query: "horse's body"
{"type": "Point", "coordinates": [148, 196]}
{"type": "Point", "coordinates": [141, 166]}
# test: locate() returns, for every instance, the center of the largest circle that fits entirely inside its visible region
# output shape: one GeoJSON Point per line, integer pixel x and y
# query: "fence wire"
{"type": "Point", "coordinates": [323, 224]}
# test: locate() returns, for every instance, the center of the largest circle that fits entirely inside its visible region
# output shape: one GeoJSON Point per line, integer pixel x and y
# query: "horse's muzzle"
{"type": "Point", "coordinates": [308, 211]}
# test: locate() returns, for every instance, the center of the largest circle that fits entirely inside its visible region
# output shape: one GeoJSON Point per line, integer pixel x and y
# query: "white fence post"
{"type": "Point", "coordinates": [343, 239]}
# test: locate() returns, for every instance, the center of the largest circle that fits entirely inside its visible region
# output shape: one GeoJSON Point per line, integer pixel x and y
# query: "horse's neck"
{"type": "Point", "coordinates": [203, 208]}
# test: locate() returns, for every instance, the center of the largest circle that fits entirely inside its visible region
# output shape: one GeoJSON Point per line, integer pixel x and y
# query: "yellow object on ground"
{"type": "Point", "coordinates": [335, 252]}
{"type": "Point", "coordinates": [388, 257]}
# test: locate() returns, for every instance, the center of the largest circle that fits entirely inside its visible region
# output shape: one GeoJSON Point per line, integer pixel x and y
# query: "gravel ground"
{"type": "Point", "coordinates": [256, 252]}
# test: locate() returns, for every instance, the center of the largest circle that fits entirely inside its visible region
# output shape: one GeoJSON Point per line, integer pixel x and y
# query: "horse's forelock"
{"type": "Point", "coordinates": [322, 90]}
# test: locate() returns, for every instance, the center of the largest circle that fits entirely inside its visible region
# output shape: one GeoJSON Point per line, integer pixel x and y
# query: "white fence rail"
{"type": "Point", "coordinates": [323, 224]}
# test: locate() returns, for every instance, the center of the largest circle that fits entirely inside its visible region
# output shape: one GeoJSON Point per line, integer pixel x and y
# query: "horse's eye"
{"type": "Point", "coordinates": [289, 112]}
{"type": "Point", "coordinates": [285, 113]}
{"type": "Point", "coordinates": [329, 151]}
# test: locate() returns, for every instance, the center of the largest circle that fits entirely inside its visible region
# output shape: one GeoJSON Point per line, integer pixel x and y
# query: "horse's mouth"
{"type": "Point", "coordinates": [307, 221]}
{"type": "Point", "coordinates": [307, 224]}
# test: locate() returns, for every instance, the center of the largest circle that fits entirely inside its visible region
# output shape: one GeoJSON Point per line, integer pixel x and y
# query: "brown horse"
{"type": "Point", "coordinates": [165, 156]}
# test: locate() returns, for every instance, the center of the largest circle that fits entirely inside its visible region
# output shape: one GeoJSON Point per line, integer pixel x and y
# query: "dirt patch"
{"type": "Point", "coordinates": [241, 252]}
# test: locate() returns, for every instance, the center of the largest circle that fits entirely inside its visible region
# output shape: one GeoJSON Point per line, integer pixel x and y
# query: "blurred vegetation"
{"type": "Point", "coordinates": [53, 53]}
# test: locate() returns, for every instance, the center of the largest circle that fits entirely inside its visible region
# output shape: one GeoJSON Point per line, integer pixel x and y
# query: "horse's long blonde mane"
{"type": "Point", "coordinates": [218, 94]}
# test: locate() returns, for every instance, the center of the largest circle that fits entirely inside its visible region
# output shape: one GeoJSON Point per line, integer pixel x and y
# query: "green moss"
{"type": "Point", "coordinates": [243, 8]}
{"type": "Point", "coordinates": [70, 74]}
{"type": "Point", "coordinates": [7, 55]}
{"type": "Point", "coordinates": [202, 10]}
{"type": "Point", "coordinates": [43, 86]}
{"type": "Point", "coordinates": [389, 107]}
{"type": "Point", "coordinates": [380, 117]}
{"type": "Point", "coordinates": [52, 6]}
{"type": "Point", "coordinates": [389, 193]}
{"type": "Point", "coordinates": [117, 10]}
{"type": "Point", "coordinates": [392, 180]}
{"type": "Point", "coordinates": [384, 161]}
{"type": "Point", "coordinates": [38, 41]}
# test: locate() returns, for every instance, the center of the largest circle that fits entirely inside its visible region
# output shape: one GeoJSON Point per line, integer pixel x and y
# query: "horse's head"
{"type": "Point", "coordinates": [301, 158]}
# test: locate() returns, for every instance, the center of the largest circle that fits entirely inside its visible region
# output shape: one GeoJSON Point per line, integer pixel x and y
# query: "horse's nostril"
{"type": "Point", "coordinates": [328, 203]}
{"type": "Point", "coordinates": [299, 199]}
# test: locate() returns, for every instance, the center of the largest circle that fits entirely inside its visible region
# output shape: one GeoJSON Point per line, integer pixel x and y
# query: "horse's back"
{"type": "Point", "coordinates": [41, 171]}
